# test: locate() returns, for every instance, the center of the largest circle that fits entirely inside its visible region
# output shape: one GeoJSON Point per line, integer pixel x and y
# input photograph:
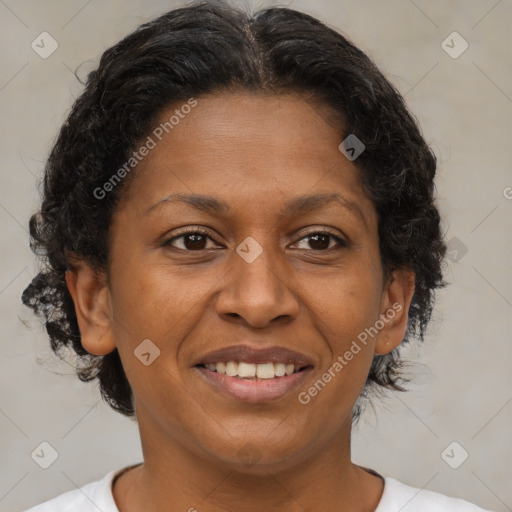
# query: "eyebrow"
{"type": "Point", "coordinates": [298, 205]}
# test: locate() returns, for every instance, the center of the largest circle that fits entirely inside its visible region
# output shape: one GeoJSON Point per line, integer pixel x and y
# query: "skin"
{"type": "Point", "coordinates": [255, 153]}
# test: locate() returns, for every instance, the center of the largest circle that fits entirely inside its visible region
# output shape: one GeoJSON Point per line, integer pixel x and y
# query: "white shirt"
{"type": "Point", "coordinates": [397, 497]}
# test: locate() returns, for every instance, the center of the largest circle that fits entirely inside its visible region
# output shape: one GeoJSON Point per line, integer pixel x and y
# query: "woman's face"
{"type": "Point", "coordinates": [260, 274]}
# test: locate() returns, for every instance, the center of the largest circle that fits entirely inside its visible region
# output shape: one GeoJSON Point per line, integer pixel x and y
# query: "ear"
{"type": "Point", "coordinates": [396, 301]}
{"type": "Point", "coordinates": [91, 296]}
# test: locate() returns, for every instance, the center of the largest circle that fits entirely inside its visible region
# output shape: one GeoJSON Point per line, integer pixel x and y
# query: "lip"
{"type": "Point", "coordinates": [254, 355]}
{"type": "Point", "coordinates": [254, 391]}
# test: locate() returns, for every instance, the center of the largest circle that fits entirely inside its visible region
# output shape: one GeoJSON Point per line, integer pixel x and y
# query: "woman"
{"type": "Point", "coordinates": [239, 228]}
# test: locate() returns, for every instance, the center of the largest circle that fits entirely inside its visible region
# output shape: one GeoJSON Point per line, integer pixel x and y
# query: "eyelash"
{"type": "Point", "coordinates": [199, 231]}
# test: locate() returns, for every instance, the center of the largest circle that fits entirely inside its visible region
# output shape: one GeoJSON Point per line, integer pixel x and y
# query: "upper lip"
{"type": "Point", "coordinates": [249, 354]}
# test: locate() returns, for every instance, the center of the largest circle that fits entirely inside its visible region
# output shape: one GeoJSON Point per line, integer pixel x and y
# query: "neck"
{"type": "Point", "coordinates": [188, 479]}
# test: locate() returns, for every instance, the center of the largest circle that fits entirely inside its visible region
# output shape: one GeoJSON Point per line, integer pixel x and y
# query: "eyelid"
{"type": "Point", "coordinates": [190, 230]}
{"type": "Point", "coordinates": [323, 231]}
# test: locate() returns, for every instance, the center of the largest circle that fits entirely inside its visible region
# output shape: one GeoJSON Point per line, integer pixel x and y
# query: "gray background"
{"type": "Point", "coordinates": [462, 389]}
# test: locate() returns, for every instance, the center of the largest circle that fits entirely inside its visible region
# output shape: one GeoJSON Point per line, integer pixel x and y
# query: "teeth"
{"type": "Point", "coordinates": [246, 370]}
{"type": "Point", "coordinates": [280, 369]}
{"type": "Point", "coordinates": [264, 371]}
{"type": "Point", "coordinates": [251, 371]}
{"type": "Point", "coordinates": [231, 368]}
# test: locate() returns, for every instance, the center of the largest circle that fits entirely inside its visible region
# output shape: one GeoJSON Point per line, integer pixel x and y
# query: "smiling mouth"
{"type": "Point", "coordinates": [253, 372]}
{"type": "Point", "coordinates": [251, 382]}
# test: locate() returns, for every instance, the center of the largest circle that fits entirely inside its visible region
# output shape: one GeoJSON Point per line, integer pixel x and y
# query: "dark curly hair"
{"type": "Point", "coordinates": [210, 47]}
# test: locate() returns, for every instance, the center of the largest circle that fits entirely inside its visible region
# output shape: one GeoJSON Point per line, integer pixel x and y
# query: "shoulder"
{"type": "Point", "coordinates": [398, 496]}
{"type": "Point", "coordinates": [91, 497]}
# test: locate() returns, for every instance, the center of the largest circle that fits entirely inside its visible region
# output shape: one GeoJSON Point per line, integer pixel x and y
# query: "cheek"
{"type": "Point", "coordinates": [152, 304]}
{"type": "Point", "coordinates": [344, 307]}
{"type": "Point", "coordinates": [344, 303]}
{"type": "Point", "coordinates": [344, 315]}
{"type": "Point", "coordinates": [151, 300]}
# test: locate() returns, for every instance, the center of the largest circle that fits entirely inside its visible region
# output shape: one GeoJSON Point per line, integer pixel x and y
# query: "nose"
{"type": "Point", "coordinates": [258, 293]}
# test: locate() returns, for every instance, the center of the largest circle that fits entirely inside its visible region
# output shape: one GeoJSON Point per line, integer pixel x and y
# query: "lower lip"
{"type": "Point", "coordinates": [254, 391]}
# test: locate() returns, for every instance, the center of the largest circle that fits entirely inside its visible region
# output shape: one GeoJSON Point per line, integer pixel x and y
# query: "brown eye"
{"type": "Point", "coordinates": [320, 241]}
{"type": "Point", "coordinates": [193, 240]}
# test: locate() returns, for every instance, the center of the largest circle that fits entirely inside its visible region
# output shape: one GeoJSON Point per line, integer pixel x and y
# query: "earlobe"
{"type": "Point", "coordinates": [93, 309]}
{"type": "Point", "coordinates": [395, 311]}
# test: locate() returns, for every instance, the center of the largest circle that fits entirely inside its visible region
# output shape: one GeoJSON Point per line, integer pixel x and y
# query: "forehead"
{"type": "Point", "coordinates": [245, 146]}
{"type": "Point", "coordinates": [289, 121]}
